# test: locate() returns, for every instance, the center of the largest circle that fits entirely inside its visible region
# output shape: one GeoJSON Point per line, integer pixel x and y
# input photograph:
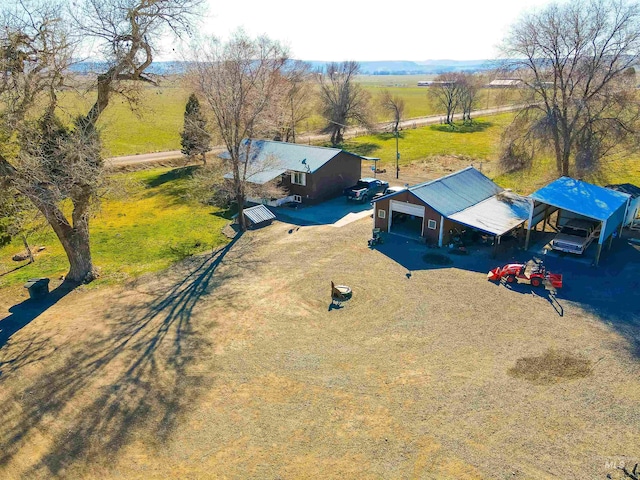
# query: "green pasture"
{"type": "Point", "coordinates": [146, 228]}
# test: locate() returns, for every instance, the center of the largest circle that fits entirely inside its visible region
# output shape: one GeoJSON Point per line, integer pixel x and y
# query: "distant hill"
{"type": "Point", "coordinates": [405, 67]}
{"type": "Point", "coordinates": [384, 67]}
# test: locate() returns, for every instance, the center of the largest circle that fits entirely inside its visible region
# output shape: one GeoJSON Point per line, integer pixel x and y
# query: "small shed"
{"type": "Point", "coordinates": [633, 212]}
{"type": "Point", "coordinates": [575, 199]}
{"type": "Point", "coordinates": [258, 216]}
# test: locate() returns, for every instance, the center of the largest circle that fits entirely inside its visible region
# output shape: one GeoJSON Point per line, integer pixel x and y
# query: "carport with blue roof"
{"type": "Point", "coordinates": [577, 199]}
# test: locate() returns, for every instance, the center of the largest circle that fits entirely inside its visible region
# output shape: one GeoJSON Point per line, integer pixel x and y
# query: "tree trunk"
{"type": "Point", "coordinates": [241, 220]}
{"type": "Point", "coordinates": [74, 239]}
{"type": "Point", "coordinates": [76, 246]}
{"type": "Point", "coordinates": [27, 248]}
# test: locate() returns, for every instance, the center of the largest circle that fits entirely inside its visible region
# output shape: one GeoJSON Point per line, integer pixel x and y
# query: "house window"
{"type": "Point", "coordinates": [299, 178]}
{"type": "Point", "coordinates": [382, 213]}
{"type": "Point", "coordinates": [432, 225]}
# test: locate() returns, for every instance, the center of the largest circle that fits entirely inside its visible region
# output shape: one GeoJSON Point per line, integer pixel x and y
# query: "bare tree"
{"type": "Point", "coordinates": [49, 163]}
{"type": "Point", "coordinates": [572, 57]}
{"type": "Point", "coordinates": [296, 103]}
{"type": "Point", "coordinates": [394, 106]}
{"type": "Point", "coordinates": [241, 81]}
{"type": "Point", "coordinates": [468, 93]}
{"type": "Point", "coordinates": [342, 100]}
{"type": "Point", "coordinates": [445, 92]}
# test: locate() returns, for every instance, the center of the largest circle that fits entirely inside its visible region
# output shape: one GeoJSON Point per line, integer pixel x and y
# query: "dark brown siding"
{"type": "Point", "coordinates": [329, 181]}
{"type": "Point", "coordinates": [431, 236]}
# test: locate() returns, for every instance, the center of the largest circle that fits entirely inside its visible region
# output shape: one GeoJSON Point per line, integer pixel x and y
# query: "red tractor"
{"type": "Point", "coordinates": [533, 274]}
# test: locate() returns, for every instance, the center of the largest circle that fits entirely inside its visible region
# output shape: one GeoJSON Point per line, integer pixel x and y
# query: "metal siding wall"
{"type": "Point", "coordinates": [614, 221]}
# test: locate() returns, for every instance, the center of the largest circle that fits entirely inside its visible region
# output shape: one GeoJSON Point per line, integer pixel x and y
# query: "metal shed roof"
{"type": "Point", "coordinates": [258, 214]}
{"type": "Point", "coordinates": [582, 198]}
{"type": "Point", "coordinates": [269, 159]}
{"type": "Point", "coordinates": [628, 188]}
{"type": "Point", "coordinates": [456, 192]}
{"type": "Point", "coordinates": [496, 215]}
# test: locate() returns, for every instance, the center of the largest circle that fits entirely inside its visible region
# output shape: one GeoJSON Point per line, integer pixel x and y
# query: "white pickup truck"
{"type": "Point", "coordinates": [575, 236]}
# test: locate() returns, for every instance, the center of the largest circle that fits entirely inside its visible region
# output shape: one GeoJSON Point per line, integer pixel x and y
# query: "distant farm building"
{"type": "Point", "coordinates": [433, 83]}
{"type": "Point", "coordinates": [505, 83]}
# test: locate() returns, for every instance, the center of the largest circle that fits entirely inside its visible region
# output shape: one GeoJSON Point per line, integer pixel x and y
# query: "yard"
{"type": "Point", "coordinates": [232, 365]}
{"type": "Point", "coordinates": [145, 222]}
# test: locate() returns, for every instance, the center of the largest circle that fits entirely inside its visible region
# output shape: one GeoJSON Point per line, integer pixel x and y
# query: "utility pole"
{"type": "Point", "coordinates": [397, 155]}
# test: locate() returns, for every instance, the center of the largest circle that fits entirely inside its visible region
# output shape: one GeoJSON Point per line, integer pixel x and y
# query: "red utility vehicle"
{"type": "Point", "coordinates": [533, 274]}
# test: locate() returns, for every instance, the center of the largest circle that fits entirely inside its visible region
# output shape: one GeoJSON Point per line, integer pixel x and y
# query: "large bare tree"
{"type": "Point", "coordinates": [572, 57]}
{"type": "Point", "coordinates": [393, 105]}
{"type": "Point", "coordinates": [470, 85]}
{"type": "Point", "coordinates": [343, 101]}
{"type": "Point", "coordinates": [297, 104]}
{"type": "Point", "coordinates": [243, 82]}
{"type": "Point", "coordinates": [56, 165]}
{"type": "Point", "coordinates": [445, 92]}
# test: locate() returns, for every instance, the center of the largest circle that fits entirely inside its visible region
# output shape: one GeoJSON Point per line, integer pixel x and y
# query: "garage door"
{"type": "Point", "coordinates": [408, 208]}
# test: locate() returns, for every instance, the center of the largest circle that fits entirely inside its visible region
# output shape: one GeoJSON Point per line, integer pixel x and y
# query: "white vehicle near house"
{"type": "Point", "coordinates": [575, 236]}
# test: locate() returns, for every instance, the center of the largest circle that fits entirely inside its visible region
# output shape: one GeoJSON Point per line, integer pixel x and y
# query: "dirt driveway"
{"type": "Point", "coordinates": [233, 366]}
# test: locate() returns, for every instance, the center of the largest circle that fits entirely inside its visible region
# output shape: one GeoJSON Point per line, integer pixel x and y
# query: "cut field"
{"type": "Point", "coordinates": [148, 226]}
{"type": "Point", "coordinates": [233, 365]}
{"type": "Point", "coordinates": [156, 124]}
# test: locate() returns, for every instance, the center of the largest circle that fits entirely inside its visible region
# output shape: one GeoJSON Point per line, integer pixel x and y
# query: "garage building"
{"type": "Point", "coordinates": [462, 199]}
{"type": "Point", "coordinates": [575, 199]}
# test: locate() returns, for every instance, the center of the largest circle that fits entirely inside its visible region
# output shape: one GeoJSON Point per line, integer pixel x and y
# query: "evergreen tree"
{"type": "Point", "coordinates": [195, 138]}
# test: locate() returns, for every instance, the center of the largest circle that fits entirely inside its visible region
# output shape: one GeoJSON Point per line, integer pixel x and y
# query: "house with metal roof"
{"type": "Point", "coordinates": [464, 199]}
{"type": "Point", "coordinates": [571, 199]}
{"type": "Point", "coordinates": [306, 173]}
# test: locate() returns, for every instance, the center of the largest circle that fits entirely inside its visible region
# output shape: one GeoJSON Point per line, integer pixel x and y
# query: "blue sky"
{"type": "Point", "coordinates": [369, 30]}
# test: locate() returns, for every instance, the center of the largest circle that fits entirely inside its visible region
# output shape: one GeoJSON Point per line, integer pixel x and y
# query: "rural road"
{"type": "Point", "coordinates": [350, 132]}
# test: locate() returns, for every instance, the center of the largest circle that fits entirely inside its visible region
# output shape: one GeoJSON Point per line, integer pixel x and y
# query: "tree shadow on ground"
{"type": "Point", "coordinates": [457, 127]}
{"type": "Point", "coordinates": [384, 136]}
{"type": "Point", "coordinates": [174, 183]}
{"type": "Point", "coordinates": [29, 350]}
{"type": "Point", "coordinates": [172, 175]}
{"type": "Point", "coordinates": [364, 149]}
{"type": "Point", "coordinates": [133, 378]}
{"type": "Point", "coordinates": [15, 269]}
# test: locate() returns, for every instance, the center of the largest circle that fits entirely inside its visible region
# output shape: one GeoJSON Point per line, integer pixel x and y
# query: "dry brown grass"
{"type": "Point", "coordinates": [243, 372]}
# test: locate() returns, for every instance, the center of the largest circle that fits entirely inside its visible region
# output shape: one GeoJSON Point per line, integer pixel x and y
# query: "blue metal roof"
{"type": "Point", "coordinates": [455, 192]}
{"type": "Point", "coordinates": [496, 215]}
{"type": "Point", "coordinates": [582, 198]}
{"type": "Point", "coordinates": [260, 177]}
{"type": "Point", "coordinates": [274, 158]}
{"type": "Point", "coordinates": [258, 214]}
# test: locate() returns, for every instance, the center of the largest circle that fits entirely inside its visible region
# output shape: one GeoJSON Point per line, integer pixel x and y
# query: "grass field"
{"type": "Point", "coordinates": [478, 143]}
{"type": "Point", "coordinates": [147, 229]}
{"type": "Point", "coordinates": [156, 124]}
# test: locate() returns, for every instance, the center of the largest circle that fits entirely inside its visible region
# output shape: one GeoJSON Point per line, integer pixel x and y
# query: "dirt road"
{"type": "Point", "coordinates": [350, 133]}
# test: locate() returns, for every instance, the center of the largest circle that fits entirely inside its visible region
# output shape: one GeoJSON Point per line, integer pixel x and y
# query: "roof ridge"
{"type": "Point", "coordinates": [429, 182]}
{"type": "Point", "coordinates": [280, 142]}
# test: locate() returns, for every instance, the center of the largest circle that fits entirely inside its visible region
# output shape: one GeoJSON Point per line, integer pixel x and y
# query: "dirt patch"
{"type": "Point", "coordinates": [429, 168]}
{"type": "Point", "coordinates": [551, 367]}
{"type": "Point", "coordinates": [437, 259]}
